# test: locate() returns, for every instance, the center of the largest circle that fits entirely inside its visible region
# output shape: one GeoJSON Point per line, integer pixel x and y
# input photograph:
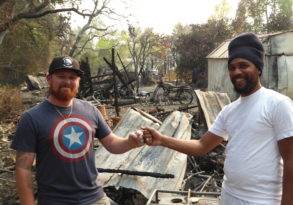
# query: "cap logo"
{"type": "Point", "coordinates": [67, 61]}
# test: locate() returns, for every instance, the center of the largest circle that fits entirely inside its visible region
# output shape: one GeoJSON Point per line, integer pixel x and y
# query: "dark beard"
{"type": "Point", "coordinates": [62, 96]}
{"type": "Point", "coordinates": [247, 89]}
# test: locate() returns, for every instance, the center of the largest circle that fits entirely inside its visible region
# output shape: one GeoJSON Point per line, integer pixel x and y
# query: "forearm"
{"type": "Point", "coordinates": [287, 197]}
{"type": "Point", "coordinates": [24, 186]}
{"type": "Point", "coordinates": [206, 143]}
{"type": "Point", "coordinates": [189, 147]}
{"type": "Point", "coordinates": [23, 177]}
{"type": "Point", "coordinates": [121, 145]}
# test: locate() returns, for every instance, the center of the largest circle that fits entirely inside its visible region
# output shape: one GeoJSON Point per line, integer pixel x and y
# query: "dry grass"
{"type": "Point", "coordinates": [10, 103]}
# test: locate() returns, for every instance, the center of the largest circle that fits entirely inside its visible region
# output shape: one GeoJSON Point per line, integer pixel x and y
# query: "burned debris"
{"type": "Point", "coordinates": [199, 173]}
{"type": "Point", "coordinates": [150, 175]}
{"type": "Point", "coordinates": [110, 85]}
{"type": "Point", "coordinates": [140, 173]}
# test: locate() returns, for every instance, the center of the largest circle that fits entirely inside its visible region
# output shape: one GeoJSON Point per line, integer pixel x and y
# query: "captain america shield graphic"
{"type": "Point", "coordinates": [72, 138]}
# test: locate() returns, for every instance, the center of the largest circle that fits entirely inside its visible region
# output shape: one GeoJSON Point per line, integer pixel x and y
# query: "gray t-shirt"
{"type": "Point", "coordinates": [65, 161]}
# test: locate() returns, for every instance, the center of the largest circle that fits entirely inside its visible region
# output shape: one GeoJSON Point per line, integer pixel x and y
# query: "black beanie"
{"type": "Point", "coordinates": [247, 46]}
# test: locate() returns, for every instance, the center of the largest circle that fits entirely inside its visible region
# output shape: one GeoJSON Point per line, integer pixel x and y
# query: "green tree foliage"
{"type": "Point", "coordinates": [141, 45]}
{"type": "Point", "coordinates": [239, 23]}
{"type": "Point", "coordinates": [194, 42]}
{"type": "Point", "coordinates": [221, 10]}
{"type": "Point", "coordinates": [32, 32]}
{"type": "Point", "coordinates": [29, 47]}
{"type": "Point", "coordinates": [193, 47]}
{"type": "Point", "coordinates": [102, 49]}
{"type": "Point", "coordinates": [28, 44]}
{"type": "Point", "coordinates": [281, 16]}
{"type": "Point", "coordinates": [263, 16]}
{"type": "Point", "coordinates": [162, 56]}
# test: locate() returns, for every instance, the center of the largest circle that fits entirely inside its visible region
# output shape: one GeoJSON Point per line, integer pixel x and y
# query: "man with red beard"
{"type": "Point", "coordinates": [259, 128]}
{"type": "Point", "coordinates": [59, 133]}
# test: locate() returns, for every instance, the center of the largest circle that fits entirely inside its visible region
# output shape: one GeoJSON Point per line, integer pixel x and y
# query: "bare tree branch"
{"type": "Point", "coordinates": [87, 41]}
{"type": "Point", "coordinates": [96, 12]}
{"type": "Point", "coordinates": [37, 12]}
{"type": "Point", "coordinates": [99, 29]}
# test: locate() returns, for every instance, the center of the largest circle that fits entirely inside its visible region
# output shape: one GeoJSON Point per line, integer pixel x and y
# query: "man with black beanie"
{"type": "Point", "coordinates": [259, 129]}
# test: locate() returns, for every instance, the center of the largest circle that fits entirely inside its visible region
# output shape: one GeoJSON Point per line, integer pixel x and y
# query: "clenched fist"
{"type": "Point", "coordinates": [136, 138]}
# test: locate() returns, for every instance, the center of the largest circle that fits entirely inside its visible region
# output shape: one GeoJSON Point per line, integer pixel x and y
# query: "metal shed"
{"type": "Point", "coordinates": [278, 65]}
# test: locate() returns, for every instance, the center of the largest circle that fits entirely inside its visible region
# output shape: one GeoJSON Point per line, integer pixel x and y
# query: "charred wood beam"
{"type": "Point", "coordinates": [136, 173]}
{"type": "Point", "coordinates": [186, 108]}
{"type": "Point", "coordinates": [123, 102]}
{"type": "Point", "coordinates": [113, 67]}
{"type": "Point", "coordinates": [147, 115]}
{"type": "Point", "coordinates": [128, 83]}
{"type": "Point", "coordinates": [116, 71]}
{"type": "Point", "coordinates": [124, 68]}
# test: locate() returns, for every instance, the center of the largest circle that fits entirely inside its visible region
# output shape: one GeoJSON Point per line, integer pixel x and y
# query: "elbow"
{"type": "Point", "coordinates": [203, 152]}
{"type": "Point", "coordinates": [198, 151]}
{"type": "Point", "coordinates": [111, 150]}
{"type": "Point", "coordinates": [115, 149]}
{"type": "Point", "coordinates": [115, 152]}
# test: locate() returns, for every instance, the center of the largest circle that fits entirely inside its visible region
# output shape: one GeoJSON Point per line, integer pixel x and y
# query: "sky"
{"type": "Point", "coordinates": [162, 15]}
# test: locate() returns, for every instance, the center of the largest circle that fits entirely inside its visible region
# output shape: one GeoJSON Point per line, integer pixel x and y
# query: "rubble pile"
{"type": "Point", "coordinates": [203, 174]}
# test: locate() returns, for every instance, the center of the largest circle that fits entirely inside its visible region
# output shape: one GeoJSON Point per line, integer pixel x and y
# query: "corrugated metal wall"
{"type": "Point", "coordinates": [277, 72]}
{"type": "Point", "coordinates": [218, 77]}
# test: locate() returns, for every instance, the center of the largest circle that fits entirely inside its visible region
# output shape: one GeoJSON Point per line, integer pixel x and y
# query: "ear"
{"type": "Point", "coordinates": [48, 76]}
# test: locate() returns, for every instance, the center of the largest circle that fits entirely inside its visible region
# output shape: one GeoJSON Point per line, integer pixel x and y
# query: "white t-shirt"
{"type": "Point", "coordinates": [253, 167]}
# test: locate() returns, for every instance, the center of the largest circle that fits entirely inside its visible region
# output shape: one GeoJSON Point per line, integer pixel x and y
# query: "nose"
{"type": "Point", "coordinates": [66, 81]}
{"type": "Point", "coordinates": [235, 72]}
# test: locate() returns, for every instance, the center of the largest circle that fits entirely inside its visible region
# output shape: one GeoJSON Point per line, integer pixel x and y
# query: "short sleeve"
{"type": "Point", "coordinates": [283, 119]}
{"type": "Point", "coordinates": [25, 138]}
{"type": "Point", "coordinates": [218, 127]}
{"type": "Point", "coordinates": [102, 127]}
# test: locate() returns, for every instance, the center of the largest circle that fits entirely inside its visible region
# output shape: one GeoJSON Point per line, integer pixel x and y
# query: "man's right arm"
{"type": "Point", "coordinates": [23, 175]}
{"type": "Point", "coordinates": [190, 147]}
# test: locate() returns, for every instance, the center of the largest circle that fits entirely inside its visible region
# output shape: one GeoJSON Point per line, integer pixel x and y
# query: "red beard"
{"type": "Point", "coordinates": [62, 94]}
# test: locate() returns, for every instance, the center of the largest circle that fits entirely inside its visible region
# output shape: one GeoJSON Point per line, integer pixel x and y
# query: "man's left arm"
{"type": "Point", "coordinates": [286, 151]}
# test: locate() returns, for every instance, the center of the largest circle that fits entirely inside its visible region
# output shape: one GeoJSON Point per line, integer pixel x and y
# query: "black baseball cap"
{"type": "Point", "coordinates": [65, 63]}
